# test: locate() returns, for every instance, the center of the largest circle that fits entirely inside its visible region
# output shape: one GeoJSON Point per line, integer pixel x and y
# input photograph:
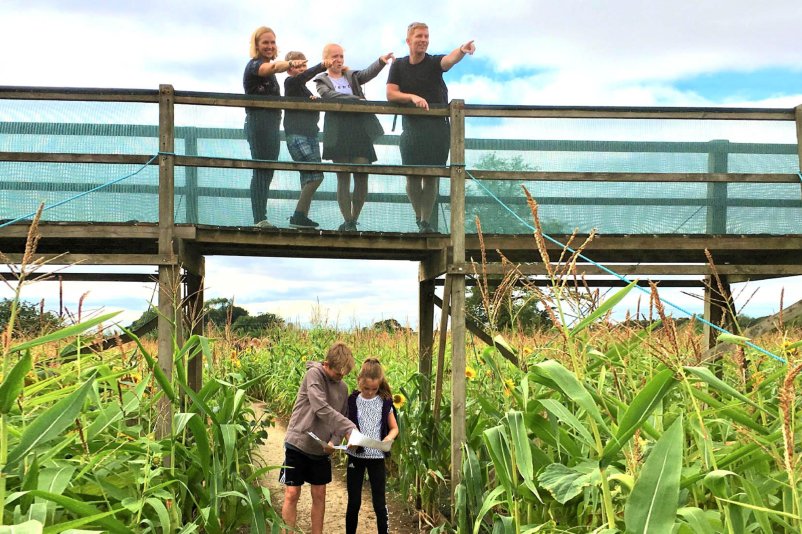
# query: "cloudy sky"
{"type": "Point", "coordinates": [592, 52]}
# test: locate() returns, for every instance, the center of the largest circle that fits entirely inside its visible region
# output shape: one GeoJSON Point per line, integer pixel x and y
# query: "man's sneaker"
{"type": "Point", "coordinates": [299, 220]}
{"type": "Point", "coordinates": [348, 226]}
{"type": "Point", "coordinates": [425, 228]}
{"type": "Point", "coordinates": [264, 224]}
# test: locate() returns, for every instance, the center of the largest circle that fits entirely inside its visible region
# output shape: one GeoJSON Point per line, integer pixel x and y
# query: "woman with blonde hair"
{"type": "Point", "coordinates": [262, 125]}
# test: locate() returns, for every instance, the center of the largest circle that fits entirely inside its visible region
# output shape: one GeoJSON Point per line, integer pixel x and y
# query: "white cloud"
{"type": "Point", "coordinates": [574, 52]}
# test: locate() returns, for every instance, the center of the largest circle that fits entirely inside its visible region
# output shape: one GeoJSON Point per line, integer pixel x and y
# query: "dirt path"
{"type": "Point", "coordinates": [402, 521]}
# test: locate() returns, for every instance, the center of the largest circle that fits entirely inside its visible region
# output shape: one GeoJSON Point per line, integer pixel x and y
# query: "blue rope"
{"type": "Point", "coordinates": [84, 193]}
{"type": "Point", "coordinates": [622, 277]}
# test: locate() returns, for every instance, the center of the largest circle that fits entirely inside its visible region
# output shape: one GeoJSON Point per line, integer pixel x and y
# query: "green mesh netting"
{"type": "Point", "coordinates": [221, 196]}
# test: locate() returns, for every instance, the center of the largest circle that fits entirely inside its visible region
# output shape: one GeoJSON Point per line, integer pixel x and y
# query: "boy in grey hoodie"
{"type": "Point", "coordinates": [321, 408]}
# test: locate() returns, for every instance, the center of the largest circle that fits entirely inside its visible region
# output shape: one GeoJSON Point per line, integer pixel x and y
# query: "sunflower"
{"type": "Point", "coordinates": [399, 400]}
{"type": "Point", "coordinates": [470, 373]}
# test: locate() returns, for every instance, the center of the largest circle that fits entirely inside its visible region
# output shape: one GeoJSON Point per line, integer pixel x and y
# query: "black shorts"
{"type": "Point", "coordinates": [300, 468]}
{"type": "Point", "coordinates": [425, 141]}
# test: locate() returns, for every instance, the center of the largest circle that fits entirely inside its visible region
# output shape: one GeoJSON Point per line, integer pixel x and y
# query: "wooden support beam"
{"type": "Point", "coordinates": [434, 265]}
{"type": "Point", "coordinates": [116, 340]}
{"type": "Point", "coordinates": [169, 321]}
{"type": "Point", "coordinates": [635, 177]}
{"type": "Point", "coordinates": [476, 329]}
{"type": "Point", "coordinates": [98, 259]}
{"type": "Point", "coordinates": [719, 307]}
{"type": "Point", "coordinates": [57, 276]}
{"type": "Point", "coordinates": [193, 312]}
{"type": "Point", "coordinates": [458, 363]}
{"type": "Point", "coordinates": [545, 282]}
{"type": "Point", "coordinates": [654, 269]}
{"type": "Point", "coordinates": [445, 311]}
{"type": "Point", "coordinates": [605, 112]}
{"type": "Point", "coordinates": [426, 298]}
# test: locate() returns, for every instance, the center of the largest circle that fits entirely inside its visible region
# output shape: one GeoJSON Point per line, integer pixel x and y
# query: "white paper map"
{"type": "Point", "coordinates": [357, 439]}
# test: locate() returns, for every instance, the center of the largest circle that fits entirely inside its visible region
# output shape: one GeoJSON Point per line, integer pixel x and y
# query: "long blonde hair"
{"type": "Point", "coordinates": [257, 33]}
{"type": "Point", "coordinates": [373, 370]}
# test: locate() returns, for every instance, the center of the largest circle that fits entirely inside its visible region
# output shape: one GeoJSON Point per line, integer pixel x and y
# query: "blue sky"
{"type": "Point", "coordinates": [529, 52]}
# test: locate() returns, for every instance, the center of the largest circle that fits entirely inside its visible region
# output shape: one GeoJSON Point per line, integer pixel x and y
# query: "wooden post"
{"type": "Point", "coordinates": [194, 271]}
{"type": "Point", "coordinates": [717, 192]}
{"type": "Point", "coordinates": [458, 390]}
{"type": "Point", "coordinates": [425, 334]}
{"type": "Point", "coordinates": [717, 307]}
{"type": "Point", "coordinates": [169, 275]}
{"type": "Point", "coordinates": [441, 349]}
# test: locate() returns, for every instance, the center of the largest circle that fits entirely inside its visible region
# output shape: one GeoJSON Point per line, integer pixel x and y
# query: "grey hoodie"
{"type": "Point", "coordinates": [320, 407]}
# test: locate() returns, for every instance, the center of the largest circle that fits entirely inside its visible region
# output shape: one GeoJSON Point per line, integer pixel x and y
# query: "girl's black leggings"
{"type": "Point", "coordinates": [355, 475]}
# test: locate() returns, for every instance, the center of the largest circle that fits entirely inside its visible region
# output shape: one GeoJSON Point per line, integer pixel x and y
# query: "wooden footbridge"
{"type": "Point", "coordinates": [160, 178]}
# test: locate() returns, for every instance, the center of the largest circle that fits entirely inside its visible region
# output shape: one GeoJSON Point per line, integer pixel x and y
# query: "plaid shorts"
{"type": "Point", "coordinates": [306, 149]}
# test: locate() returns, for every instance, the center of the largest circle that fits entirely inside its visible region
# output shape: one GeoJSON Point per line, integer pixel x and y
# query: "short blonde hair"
{"type": "Point", "coordinates": [294, 54]}
{"type": "Point", "coordinates": [328, 47]}
{"type": "Point", "coordinates": [414, 26]}
{"type": "Point", "coordinates": [340, 359]}
{"type": "Point", "coordinates": [257, 33]}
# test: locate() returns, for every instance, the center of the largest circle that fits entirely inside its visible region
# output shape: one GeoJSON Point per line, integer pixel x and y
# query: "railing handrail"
{"type": "Point", "coordinates": [543, 145]}
{"type": "Point", "coordinates": [383, 107]}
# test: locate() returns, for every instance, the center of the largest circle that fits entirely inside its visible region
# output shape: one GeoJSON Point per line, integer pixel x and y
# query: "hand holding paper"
{"type": "Point", "coordinates": [324, 444]}
{"type": "Point", "coordinates": [358, 439]}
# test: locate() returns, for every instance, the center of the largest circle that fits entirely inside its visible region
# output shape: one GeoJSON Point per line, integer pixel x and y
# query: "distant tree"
{"type": "Point", "coordinates": [518, 310]}
{"type": "Point", "coordinates": [257, 325]}
{"type": "Point", "coordinates": [219, 310]}
{"type": "Point", "coordinates": [149, 314]}
{"type": "Point", "coordinates": [388, 325]}
{"type": "Point", "coordinates": [495, 218]}
{"type": "Point", "coordinates": [30, 318]}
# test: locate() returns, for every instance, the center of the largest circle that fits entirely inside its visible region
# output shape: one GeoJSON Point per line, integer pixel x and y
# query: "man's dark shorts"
{"type": "Point", "coordinates": [314, 470]}
{"type": "Point", "coordinates": [425, 140]}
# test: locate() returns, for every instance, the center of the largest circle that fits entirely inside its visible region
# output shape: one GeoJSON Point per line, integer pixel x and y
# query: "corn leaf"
{"type": "Point", "coordinates": [564, 483]}
{"type": "Point", "coordinates": [602, 310]}
{"type": "Point", "coordinates": [493, 499]}
{"type": "Point", "coordinates": [28, 527]}
{"type": "Point", "coordinates": [204, 451]}
{"type": "Point", "coordinates": [69, 331]}
{"type": "Point", "coordinates": [158, 372]}
{"type": "Point", "coordinates": [696, 520]}
{"type": "Point", "coordinates": [161, 512]}
{"type": "Point", "coordinates": [499, 449]}
{"type": "Point", "coordinates": [639, 410]}
{"type": "Point", "coordinates": [652, 506]}
{"type": "Point", "coordinates": [70, 526]}
{"type": "Point", "coordinates": [704, 374]}
{"type": "Point", "coordinates": [51, 423]}
{"type": "Point", "coordinates": [13, 383]}
{"type": "Point", "coordinates": [569, 384]}
{"type": "Point", "coordinates": [84, 510]}
{"type": "Point", "coordinates": [558, 410]}
{"type": "Point", "coordinates": [258, 523]}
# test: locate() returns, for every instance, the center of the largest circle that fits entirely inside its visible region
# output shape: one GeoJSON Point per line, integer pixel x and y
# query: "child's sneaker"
{"type": "Point", "coordinates": [299, 220]}
{"type": "Point", "coordinates": [264, 224]}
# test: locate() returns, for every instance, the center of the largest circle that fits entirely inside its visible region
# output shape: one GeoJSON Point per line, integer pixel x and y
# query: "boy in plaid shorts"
{"type": "Point", "coordinates": [301, 130]}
